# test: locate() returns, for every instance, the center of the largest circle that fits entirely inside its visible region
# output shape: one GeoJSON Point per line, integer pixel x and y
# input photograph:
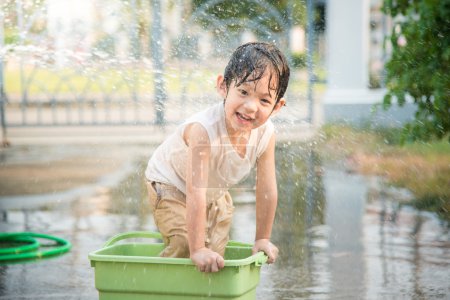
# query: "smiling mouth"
{"type": "Point", "coordinates": [242, 117]}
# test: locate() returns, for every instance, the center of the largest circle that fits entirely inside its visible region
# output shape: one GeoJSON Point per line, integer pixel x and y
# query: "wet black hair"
{"type": "Point", "coordinates": [249, 62]}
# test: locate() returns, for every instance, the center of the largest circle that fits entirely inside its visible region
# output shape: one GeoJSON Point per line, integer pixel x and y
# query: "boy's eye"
{"type": "Point", "coordinates": [243, 92]}
{"type": "Point", "coordinates": [265, 101]}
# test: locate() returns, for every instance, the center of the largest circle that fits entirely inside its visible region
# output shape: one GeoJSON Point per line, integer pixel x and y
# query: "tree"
{"type": "Point", "coordinates": [292, 12]}
{"type": "Point", "coordinates": [419, 67]}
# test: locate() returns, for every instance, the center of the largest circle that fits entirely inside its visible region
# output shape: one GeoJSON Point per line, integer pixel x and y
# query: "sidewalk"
{"type": "Point", "coordinates": [124, 134]}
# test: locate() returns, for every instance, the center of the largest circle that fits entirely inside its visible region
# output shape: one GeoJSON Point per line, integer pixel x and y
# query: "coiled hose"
{"type": "Point", "coordinates": [28, 247]}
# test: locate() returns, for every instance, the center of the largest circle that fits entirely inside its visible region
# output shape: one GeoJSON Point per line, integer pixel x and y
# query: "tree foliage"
{"type": "Point", "coordinates": [292, 12]}
{"type": "Point", "coordinates": [419, 67]}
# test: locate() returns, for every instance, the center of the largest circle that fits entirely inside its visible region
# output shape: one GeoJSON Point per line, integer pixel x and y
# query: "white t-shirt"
{"type": "Point", "coordinates": [226, 166]}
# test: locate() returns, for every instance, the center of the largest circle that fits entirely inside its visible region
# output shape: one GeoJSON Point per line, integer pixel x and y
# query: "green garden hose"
{"type": "Point", "coordinates": [31, 248]}
{"type": "Point", "coordinates": [26, 244]}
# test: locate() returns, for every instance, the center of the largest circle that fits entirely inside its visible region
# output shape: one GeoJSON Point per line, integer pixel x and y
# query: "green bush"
{"type": "Point", "coordinates": [11, 36]}
{"type": "Point", "coordinates": [298, 60]}
{"type": "Point", "coordinates": [419, 67]}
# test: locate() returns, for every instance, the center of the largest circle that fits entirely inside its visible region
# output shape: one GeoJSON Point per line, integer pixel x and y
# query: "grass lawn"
{"type": "Point", "coordinates": [108, 80]}
{"type": "Point", "coordinates": [423, 168]}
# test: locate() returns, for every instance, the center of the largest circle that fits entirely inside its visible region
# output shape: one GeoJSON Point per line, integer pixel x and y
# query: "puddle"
{"type": "Point", "coordinates": [340, 237]}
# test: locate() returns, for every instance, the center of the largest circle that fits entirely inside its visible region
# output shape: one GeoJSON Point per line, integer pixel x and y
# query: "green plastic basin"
{"type": "Point", "coordinates": [135, 271]}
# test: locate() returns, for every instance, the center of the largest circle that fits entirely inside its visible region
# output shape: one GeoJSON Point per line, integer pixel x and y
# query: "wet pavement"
{"type": "Point", "coordinates": [351, 238]}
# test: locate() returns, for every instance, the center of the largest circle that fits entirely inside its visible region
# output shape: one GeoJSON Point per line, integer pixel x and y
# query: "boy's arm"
{"type": "Point", "coordinates": [199, 150]}
{"type": "Point", "coordinates": [266, 201]}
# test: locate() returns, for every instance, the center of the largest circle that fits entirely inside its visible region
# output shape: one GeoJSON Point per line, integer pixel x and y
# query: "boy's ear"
{"type": "Point", "coordinates": [278, 106]}
{"type": "Point", "coordinates": [221, 86]}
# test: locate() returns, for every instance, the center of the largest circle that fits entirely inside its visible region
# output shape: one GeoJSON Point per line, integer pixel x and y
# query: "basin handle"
{"type": "Point", "coordinates": [261, 259]}
{"type": "Point", "coordinates": [133, 234]}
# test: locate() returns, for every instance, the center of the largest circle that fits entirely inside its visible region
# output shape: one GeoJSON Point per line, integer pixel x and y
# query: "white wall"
{"type": "Point", "coordinates": [348, 46]}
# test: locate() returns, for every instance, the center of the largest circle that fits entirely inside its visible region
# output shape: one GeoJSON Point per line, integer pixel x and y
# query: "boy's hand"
{"type": "Point", "coordinates": [207, 260]}
{"type": "Point", "coordinates": [268, 248]}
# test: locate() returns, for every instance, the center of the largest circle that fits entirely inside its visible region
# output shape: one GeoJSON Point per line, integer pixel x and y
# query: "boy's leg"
{"type": "Point", "coordinates": [220, 215]}
{"type": "Point", "coordinates": [168, 205]}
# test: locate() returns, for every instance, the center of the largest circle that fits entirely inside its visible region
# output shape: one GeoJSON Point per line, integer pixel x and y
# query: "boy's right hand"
{"type": "Point", "coordinates": [207, 260]}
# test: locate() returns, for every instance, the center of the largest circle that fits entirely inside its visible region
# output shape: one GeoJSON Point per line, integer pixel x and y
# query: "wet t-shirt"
{"type": "Point", "coordinates": [226, 166]}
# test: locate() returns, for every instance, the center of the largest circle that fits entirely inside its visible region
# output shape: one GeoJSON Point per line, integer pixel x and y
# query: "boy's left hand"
{"type": "Point", "coordinates": [268, 248]}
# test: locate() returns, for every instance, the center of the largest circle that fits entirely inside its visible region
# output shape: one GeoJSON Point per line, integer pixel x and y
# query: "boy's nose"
{"type": "Point", "coordinates": [250, 106]}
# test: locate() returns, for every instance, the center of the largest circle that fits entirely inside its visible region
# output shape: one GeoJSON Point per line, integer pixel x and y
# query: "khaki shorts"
{"type": "Point", "coordinates": [168, 205]}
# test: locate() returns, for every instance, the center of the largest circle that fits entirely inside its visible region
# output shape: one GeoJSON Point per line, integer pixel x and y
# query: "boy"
{"type": "Point", "coordinates": [189, 174]}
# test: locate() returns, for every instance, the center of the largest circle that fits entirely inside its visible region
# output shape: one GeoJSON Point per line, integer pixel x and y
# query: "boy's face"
{"type": "Point", "coordinates": [248, 105]}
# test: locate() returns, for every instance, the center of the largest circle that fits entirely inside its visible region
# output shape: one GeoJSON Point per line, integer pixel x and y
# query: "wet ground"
{"type": "Point", "coordinates": [341, 235]}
